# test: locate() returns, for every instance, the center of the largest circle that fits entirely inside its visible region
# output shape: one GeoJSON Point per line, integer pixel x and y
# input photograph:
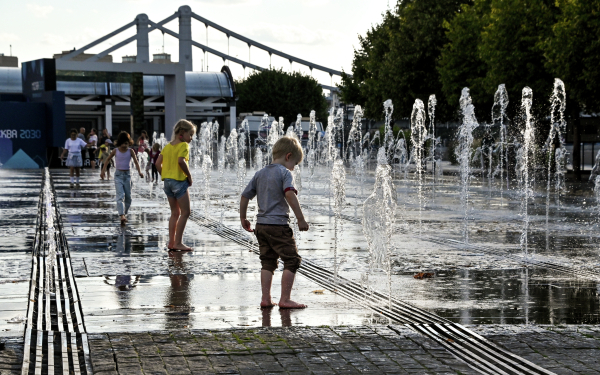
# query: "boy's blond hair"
{"type": "Point", "coordinates": [286, 145]}
{"type": "Point", "coordinates": [183, 125]}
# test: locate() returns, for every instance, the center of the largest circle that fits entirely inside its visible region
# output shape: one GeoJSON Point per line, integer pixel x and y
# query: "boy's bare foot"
{"type": "Point", "coordinates": [291, 305]}
{"type": "Point", "coordinates": [123, 220]}
{"type": "Point", "coordinates": [267, 304]}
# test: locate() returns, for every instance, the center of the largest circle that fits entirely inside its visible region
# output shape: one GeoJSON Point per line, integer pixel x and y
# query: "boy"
{"type": "Point", "coordinates": [275, 192]}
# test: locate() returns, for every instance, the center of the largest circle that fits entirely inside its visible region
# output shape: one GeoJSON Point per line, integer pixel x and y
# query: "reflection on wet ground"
{"type": "Point", "coordinates": [19, 192]}
{"type": "Point", "coordinates": [129, 282]}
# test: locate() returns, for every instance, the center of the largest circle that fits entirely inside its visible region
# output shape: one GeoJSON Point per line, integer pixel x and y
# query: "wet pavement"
{"type": "Point", "coordinates": [151, 311]}
{"type": "Point", "coordinates": [334, 350]}
{"type": "Point", "coordinates": [19, 193]}
{"type": "Point", "coordinates": [128, 281]}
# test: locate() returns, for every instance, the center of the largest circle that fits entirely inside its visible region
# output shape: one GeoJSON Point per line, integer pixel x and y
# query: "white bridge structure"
{"type": "Point", "coordinates": [171, 91]}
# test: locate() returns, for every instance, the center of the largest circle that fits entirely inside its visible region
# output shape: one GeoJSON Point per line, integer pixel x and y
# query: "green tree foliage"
{"type": "Point", "coordinates": [511, 47]}
{"type": "Point", "coordinates": [282, 94]}
{"type": "Point", "coordinates": [397, 59]}
{"type": "Point", "coordinates": [573, 54]}
{"type": "Point", "coordinates": [498, 41]}
{"type": "Point", "coordinates": [460, 64]}
{"type": "Point", "coordinates": [573, 51]}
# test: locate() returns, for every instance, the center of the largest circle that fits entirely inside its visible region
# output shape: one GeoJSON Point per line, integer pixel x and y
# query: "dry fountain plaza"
{"type": "Point", "coordinates": [137, 308]}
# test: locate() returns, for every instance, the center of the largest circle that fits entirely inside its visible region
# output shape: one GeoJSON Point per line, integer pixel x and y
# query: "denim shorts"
{"type": "Point", "coordinates": [175, 189]}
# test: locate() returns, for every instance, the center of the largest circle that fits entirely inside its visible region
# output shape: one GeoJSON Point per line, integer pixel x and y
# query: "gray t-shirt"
{"type": "Point", "coordinates": [269, 186]}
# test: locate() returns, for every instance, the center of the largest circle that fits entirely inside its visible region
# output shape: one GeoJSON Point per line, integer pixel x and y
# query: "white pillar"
{"type": "Point", "coordinates": [108, 116]}
{"type": "Point", "coordinates": [143, 47]}
{"type": "Point", "coordinates": [185, 37]}
{"type": "Point", "coordinates": [174, 101]}
{"type": "Point", "coordinates": [232, 118]}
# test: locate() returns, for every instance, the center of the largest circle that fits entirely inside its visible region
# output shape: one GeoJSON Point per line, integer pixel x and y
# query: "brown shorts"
{"type": "Point", "coordinates": [274, 242]}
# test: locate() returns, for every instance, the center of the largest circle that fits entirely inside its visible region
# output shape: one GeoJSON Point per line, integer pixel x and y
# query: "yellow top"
{"type": "Point", "coordinates": [170, 164]}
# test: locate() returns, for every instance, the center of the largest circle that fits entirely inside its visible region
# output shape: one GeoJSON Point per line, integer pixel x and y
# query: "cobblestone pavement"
{"type": "Point", "coordinates": [563, 349]}
{"type": "Point", "coordinates": [333, 350]}
{"type": "Point", "coordinates": [11, 356]}
{"type": "Point", "coordinates": [324, 350]}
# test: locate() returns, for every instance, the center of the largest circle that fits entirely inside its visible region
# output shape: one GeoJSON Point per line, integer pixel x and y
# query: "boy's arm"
{"type": "Point", "coordinates": [243, 210]}
{"type": "Point", "coordinates": [158, 164]}
{"type": "Point", "coordinates": [292, 200]}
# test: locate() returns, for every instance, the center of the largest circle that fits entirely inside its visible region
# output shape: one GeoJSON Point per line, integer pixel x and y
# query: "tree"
{"type": "Point", "coordinates": [460, 64]}
{"type": "Point", "coordinates": [397, 59]}
{"type": "Point", "coordinates": [282, 94]}
{"type": "Point", "coordinates": [573, 54]}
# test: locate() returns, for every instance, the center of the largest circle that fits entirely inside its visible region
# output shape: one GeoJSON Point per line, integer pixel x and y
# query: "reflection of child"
{"type": "Point", "coordinates": [273, 187]}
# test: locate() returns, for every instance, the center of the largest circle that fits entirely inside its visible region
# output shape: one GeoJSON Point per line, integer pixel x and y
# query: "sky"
{"type": "Point", "coordinates": [324, 32]}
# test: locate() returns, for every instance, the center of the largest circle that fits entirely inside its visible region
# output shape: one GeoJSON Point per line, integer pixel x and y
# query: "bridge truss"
{"type": "Point", "coordinates": [185, 15]}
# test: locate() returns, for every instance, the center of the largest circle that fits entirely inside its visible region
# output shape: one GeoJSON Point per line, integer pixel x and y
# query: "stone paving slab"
{"type": "Point", "coordinates": [333, 350]}
{"type": "Point", "coordinates": [305, 350]}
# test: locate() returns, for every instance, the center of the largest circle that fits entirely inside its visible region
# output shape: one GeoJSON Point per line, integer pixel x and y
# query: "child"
{"type": "Point", "coordinates": [148, 163]}
{"type": "Point", "coordinates": [173, 167]}
{"type": "Point", "coordinates": [273, 187]}
{"type": "Point", "coordinates": [153, 157]}
{"type": "Point", "coordinates": [74, 161]}
{"type": "Point", "coordinates": [123, 155]}
{"type": "Point", "coordinates": [103, 157]}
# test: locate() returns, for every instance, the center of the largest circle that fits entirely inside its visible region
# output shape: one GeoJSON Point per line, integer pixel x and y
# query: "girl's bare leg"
{"type": "Point", "coordinates": [175, 211]}
{"type": "Point", "coordinates": [184, 206]}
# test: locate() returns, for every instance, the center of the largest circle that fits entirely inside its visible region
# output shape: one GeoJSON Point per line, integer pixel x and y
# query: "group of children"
{"type": "Point", "coordinates": [273, 187]}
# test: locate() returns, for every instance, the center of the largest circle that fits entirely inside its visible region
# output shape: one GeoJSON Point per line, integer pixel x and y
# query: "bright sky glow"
{"type": "Point", "coordinates": [321, 31]}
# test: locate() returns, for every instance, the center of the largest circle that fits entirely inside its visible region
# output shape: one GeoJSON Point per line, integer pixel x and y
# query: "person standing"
{"type": "Point", "coordinates": [172, 164]}
{"type": "Point", "coordinates": [73, 146]}
{"type": "Point", "coordinates": [273, 187]}
{"type": "Point", "coordinates": [154, 153]}
{"type": "Point", "coordinates": [105, 135]}
{"type": "Point", "coordinates": [92, 147]}
{"type": "Point", "coordinates": [143, 144]}
{"type": "Point", "coordinates": [123, 155]}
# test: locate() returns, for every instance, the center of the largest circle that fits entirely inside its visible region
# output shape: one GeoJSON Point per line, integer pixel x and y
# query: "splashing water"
{"type": "Point", "coordinates": [431, 103]}
{"type": "Point", "coordinates": [312, 130]}
{"type": "Point", "coordinates": [379, 217]}
{"type": "Point", "coordinates": [258, 159]}
{"type": "Point", "coordinates": [558, 127]}
{"type": "Point", "coordinates": [221, 166]}
{"type": "Point", "coordinates": [246, 127]}
{"type": "Point", "coordinates": [206, 169]}
{"type": "Point", "coordinates": [418, 135]}
{"type": "Point", "coordinates": [338, 184]}
{"type": "Point", "coordinates": [526, 178]}
{"type": "Point", "coordinates": [498, 116]}
{"type": "Point", "coordinates": [388, 136]}
{"type": "Point", "coordinates": [463, 154]}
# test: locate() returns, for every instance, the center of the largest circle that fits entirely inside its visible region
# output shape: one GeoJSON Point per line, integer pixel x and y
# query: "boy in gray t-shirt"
{"type": "Point", "coordinates": [273, 187]}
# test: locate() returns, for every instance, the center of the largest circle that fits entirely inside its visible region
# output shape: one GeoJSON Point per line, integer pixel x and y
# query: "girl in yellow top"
{"type": "Point", "coordinates": [173, 167]}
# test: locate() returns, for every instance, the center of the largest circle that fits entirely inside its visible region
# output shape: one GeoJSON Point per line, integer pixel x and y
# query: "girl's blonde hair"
{"type": "Point", "coordinates": [286, 145]}
{"type": "Point", "coordinates": [183, 126]}
{"type": "Point", "coordinates": [156, 147]}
